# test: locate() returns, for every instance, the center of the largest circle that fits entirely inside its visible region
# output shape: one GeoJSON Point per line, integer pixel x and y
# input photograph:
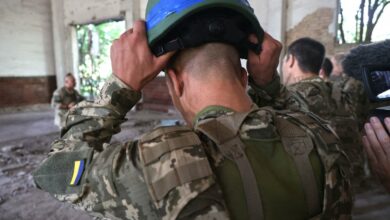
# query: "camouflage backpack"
{"type": "Point", "coordinates": [300, 135]}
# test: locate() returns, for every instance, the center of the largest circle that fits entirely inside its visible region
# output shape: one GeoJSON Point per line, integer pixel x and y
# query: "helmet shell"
{"type": "Point", "coordinates": [164, 15]}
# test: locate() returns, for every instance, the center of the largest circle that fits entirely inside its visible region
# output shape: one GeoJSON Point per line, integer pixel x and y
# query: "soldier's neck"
{"type": "Point", "coordinates": [230, 96]}
{"type": "Point", "coordinates": [299, 77]}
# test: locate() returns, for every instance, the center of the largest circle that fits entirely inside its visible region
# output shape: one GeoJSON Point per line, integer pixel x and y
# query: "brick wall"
{"type": "Point", "coordinates": [316, 26]}
{"type": "Point", "coordinates": [20, 91]}
{"type": "Point", "coordinates": [156, 95]}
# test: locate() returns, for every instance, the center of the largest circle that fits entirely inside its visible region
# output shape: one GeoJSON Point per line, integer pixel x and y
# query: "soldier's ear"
{"type": "Point", "coordinates": [290, 60]}
{"type": "Point", "coordinates": [244, 77]}
{"type": "Point", "coordinates": [177, 82]}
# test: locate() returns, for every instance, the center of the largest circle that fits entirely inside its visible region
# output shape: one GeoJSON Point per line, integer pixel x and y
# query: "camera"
{"type": "Point", "coordinates": [376, 80]}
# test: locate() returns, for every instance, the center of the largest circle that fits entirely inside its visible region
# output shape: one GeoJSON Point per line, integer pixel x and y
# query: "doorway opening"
{"type": "Point", "coordinates": [94, 42]}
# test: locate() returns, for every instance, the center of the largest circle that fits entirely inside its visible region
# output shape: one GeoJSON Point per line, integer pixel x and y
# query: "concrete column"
{"type": "Point", "coordinates": [58, 36]}
{"type": "Point", "coordinates": [131, 12]}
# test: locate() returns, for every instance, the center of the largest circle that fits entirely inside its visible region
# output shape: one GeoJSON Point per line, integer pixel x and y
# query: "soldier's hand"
{"type": "Point", "coordinates": [131, 59]}
{"type": "Point", "coordinates": [377, 145]}
{"type": "Point", "coordinates": [263, 67]}
{"type": "Point", "coordinates": [71, 105]}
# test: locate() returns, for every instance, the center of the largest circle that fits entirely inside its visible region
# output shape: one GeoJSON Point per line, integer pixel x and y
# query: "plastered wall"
{"type": "Point", "coordinates": [26, 43]}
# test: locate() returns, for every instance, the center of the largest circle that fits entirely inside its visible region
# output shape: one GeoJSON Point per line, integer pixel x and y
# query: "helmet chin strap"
{"type": "Point", "coordinates": [209, 28]}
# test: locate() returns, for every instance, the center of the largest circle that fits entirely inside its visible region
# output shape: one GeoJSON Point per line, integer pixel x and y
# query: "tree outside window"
{"type": "Point", "coordinates": [94, 42]}
{"type": "Point", "coordinates": [363, 21]}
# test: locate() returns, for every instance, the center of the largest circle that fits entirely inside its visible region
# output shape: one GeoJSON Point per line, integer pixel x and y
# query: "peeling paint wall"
{"type": "Point", "coordinates": [315, 25]}
{"type": "Point", "coordinates": [316, 19]}
{"type": "Point", "coordinates": [26, 43]}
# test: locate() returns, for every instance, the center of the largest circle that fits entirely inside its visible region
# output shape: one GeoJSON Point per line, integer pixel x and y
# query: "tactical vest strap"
{"type": "Point", "coordinates": [166, 163]}
{"type": "Point", "coordinates": [224, 132]}
{"type": "Point", "coordinates": [299, 145]}
{"type": "Point", "coordinates": [153, 153]}
{"type": "Point", "coordinates": [163, 130]}
{"type": "Point", "coordinates": [336, 165]}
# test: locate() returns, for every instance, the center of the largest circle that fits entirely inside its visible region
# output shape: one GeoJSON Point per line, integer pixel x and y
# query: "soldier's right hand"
{"type": "Point", "coordinates": [263, 67]}
{"type": "Point", "coordinates": [131, 58]}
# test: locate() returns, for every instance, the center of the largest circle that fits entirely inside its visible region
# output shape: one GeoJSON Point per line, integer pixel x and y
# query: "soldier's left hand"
{"type": "Point", "coordinates": [131, 58]}
{"type": "Point", "coordinates": [377, 145]}
{"type": "Point", "coordinates": [263, 67]}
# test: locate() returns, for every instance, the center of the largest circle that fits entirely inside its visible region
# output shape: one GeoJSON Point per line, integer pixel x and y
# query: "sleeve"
{"type": "Point", "coordinates": [79, 97]}
{"type": "Point", "coordinates": [274, 94]}
{"type": "Point", "coordinates": [56, 100]}
{"type": "Point", "coordinates": [84, 170]}
{"type": "Point", "coordinates": [355, 100]}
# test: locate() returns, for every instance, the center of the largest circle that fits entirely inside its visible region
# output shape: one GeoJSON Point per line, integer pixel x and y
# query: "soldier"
{"type": "Point", "coordinates": [326, 69]}
{"type": "Point", "coordinates": [64, 99]}
{"type": "Point", "coordinates": [305, 89]}
{"type": "Point", "coordinates": [233, 161]}
{"type": "Point", "coordinates": [338, 70]}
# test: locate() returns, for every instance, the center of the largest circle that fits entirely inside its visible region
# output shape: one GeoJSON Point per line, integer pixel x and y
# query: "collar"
{"type": "Point", "coordinates": [309, 79]}
{"type": "Point", "coordinates": [213, 111]}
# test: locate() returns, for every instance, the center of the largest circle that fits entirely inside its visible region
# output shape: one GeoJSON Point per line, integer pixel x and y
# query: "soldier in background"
{"type": "Point", "coordinates": [338, 70]}
{"type": "Point", "coordinates": [326, 69]}
{"type": "Point", "coordinates": [234, 160]}
{"type": "Point", "coordinates": [64, 99]}
{"type": "Point", "coordinates": [305, 89]}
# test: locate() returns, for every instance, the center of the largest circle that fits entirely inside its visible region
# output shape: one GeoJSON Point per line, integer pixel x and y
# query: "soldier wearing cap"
{"type": "Point", "coordinates": [234, 160]}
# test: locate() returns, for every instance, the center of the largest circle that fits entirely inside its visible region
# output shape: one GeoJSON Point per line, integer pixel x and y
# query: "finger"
{"type": "Point", "coordinates": [387, 123]}
{"type": "Point", "coordinates": [381, 134]}
{"type": "Point", "coordinates": [126, 34]}
{"type": "Point", "coordinates": [139, 28]}
{"type": "Point", "coordinates": [370, 153]}
{"type": "Point", "coordinates": [253, 57]}
{"type": "Point", "coordinates": [373, 140]}
{"type": "Point", "coordinates": [162, 61]}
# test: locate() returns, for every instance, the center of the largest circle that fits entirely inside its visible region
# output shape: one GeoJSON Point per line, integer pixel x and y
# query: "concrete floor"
{"type": "Point", "coordinates": [25, 139]}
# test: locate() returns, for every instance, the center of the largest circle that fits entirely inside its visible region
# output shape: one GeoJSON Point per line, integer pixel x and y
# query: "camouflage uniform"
{"type": "Point", "coordinates": [349, 94]}
{"type": "Point", "coordinates": [176, 173]}
{"type": "Point", "coordinates": [63, 97]}
{"type": "Point", "coordinates": [352, 105]}
{"type": "Point", "coordinates": [313, 95]}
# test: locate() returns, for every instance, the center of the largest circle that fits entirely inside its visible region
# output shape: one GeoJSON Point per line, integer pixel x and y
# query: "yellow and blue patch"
{"type": "Point", "coordinates": [78, 170]}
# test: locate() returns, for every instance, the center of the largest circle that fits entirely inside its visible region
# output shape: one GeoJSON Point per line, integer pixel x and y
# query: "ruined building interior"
{"type": "Point", "coordinates": [40, 43]}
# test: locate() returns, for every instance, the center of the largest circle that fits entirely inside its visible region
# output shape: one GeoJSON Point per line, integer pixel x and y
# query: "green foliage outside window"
{"type": "Point", "coordinates": [94, 42]}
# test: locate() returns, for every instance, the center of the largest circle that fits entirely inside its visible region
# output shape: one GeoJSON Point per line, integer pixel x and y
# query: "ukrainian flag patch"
{"type": "Point", "coordinates": [78, 170]}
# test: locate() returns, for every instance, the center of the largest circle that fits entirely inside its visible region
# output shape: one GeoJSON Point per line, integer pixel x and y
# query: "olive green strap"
{"type": "Point", "coordinates": [299, 145]}
{"type": "Point", "coordinates": [224, 132]}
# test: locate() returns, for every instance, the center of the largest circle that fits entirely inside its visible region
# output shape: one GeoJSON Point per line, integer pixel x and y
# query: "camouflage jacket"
{"type": "Point", "coordinates": [309, 95]}
{"type": "Point", "coordinates": [312, 94]}
{"type": "Point", "coordinates": [179, 181]}
{"type": "Point", "coordinates": [350, 95]}
{"type": "Point", "coordinates": [63, 97]}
